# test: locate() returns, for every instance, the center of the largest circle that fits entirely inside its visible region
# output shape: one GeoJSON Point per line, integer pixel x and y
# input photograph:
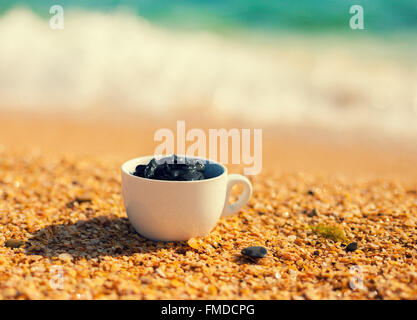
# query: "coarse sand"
{"type": "Point", "coordinates": [60, 195]}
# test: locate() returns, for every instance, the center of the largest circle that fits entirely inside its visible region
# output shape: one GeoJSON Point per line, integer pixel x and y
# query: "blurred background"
{"type": "Point", "coordinates": [284, 66]}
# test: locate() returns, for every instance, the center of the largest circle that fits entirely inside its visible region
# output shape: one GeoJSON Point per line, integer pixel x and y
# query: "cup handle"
{"type": "Point", "coordinates": [233, 179]}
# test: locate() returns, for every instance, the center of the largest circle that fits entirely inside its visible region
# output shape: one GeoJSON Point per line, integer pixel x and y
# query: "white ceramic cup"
{"type": "Point", "coordinates": [179, 210]}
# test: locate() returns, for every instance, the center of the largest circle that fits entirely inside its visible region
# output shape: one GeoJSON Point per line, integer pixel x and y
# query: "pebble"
{"type": "Point", "coordinates": [255, 252]}
{"type": "Point", "coordinates": [312, 213]}
{"type": "Point", "coordinates": [172, 168]}
{"type": "Point", "coordinates": [352, 247]}
{"type": "Point", "coordinates": [65, 257]}
{"type": "Point", "coordinates": [80, 199]}
{"type": "Point", "coordinates": [14, 243]}
{"type": "Point", "coordinates": [161, 273]}
{"type": "Point", "coordinates": [83, 198]}
{"type": "Point", "coordinates": [292, 238]}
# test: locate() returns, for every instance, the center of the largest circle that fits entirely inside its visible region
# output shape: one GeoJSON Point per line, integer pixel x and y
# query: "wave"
{"type": "Point", "coordinates": [121, 62]}
{"type": "Point", "coordinates": [382, 17]}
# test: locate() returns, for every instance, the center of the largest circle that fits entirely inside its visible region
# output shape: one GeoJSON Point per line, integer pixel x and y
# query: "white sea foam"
{"type": "Point", "coordinates": [118, 61]}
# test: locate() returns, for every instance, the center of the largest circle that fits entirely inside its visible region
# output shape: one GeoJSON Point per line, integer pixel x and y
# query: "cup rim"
{"type": "Point", "coordinates": [128, 162]}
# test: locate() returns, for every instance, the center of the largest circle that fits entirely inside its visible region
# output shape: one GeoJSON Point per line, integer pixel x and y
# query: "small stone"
{"type": "Point", "coordinates": [83, 198]}
{"type": "Point", "coordinates": [312, 213]}
{"type": "Point", "coordinates": [352, 247]}
{"type": "Point", "coordinates": [316, 252]}
{"type": "Point", "coordinates": [161, 273]}
{"type": "Point", "coordinates": [14, 243]}
{"type": "Point", "coordinates": [65, 257]}
{"type": "Point", "coordinates": [194, 243]}
{"type": "Point", "coordinates": [173, 168]}
{"type": "Point", "coordinates": [310, 192]}
{"type": "Point", "coordinates": [255, 252]}
{"type": "Point", "coordinates": [292, 238]}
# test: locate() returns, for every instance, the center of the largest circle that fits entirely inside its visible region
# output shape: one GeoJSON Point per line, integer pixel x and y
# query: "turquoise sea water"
{"type": "Point", "coordinates": [381, 16]}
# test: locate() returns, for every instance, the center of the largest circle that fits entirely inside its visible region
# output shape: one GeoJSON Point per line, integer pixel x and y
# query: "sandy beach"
{"type": "Point", "coordinates": [60, 195]}
{"type": "Point", "coordinates": [335, 204]}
